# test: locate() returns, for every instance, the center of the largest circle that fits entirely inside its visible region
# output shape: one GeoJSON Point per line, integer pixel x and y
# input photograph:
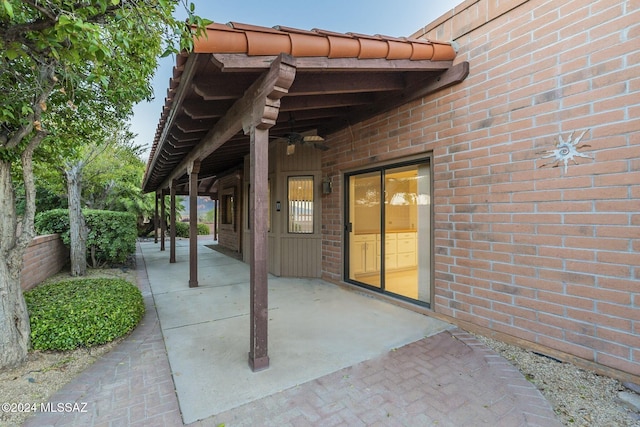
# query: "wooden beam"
{"type": "Point", "coordinates": [225, 87]}
{"type": "Point", "coordinates": [300, 103]}
{"type": "Point", "coordinates": [183, 137]}
{"type": "Point", "coordinates": [178, 146]}
{"type": "Point", "coordinates": [428, 86]}
{"type": "Point", "coordinates": [453, 75]}
{"type": "Point", "coordinates": [206, 109]}
{"type": "Point", "coordinates": [187, 125]}
{"type": "Point", "coordinates": [244, 63]}
{"type": "Point", "coordinates": [273, 84]}
{"type": "Point", "coordinates": [327, 83]}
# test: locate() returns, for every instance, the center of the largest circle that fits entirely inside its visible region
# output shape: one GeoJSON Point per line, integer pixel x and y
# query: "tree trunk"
{"type": "Point", "coordinates": [14, 319]}
{"type": "Point", "coordinates": [77, 226]}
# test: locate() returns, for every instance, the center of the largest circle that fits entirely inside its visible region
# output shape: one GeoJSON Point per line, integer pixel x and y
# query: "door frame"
{"type": "Point", "coordinates": [383, 167]}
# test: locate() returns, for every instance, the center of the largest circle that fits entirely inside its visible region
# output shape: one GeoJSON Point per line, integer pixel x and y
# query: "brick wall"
{"type": "Point", "coordinates": [45, 256]}
{"type": "Point", "coordinates": [523, 249]}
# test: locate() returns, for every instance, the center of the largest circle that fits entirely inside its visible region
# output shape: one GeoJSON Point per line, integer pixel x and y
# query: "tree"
{"type": "Point", "coordinates": [57, 56]}
{"type": "Point", "coordinates": [101, 163]}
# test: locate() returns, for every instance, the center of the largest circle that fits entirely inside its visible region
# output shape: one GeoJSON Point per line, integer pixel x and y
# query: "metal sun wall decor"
{"type": "Point", "coordinates": [565, 151]}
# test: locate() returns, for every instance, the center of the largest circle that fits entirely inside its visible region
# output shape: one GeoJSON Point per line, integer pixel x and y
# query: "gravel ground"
{"type": "Point", "coordinates": [579, 397]}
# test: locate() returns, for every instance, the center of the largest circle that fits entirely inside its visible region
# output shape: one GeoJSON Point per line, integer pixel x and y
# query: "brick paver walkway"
{"type": "Point", "coordinates": [129, 386]}
{"type": "Point", "coordinates": [449, 379]}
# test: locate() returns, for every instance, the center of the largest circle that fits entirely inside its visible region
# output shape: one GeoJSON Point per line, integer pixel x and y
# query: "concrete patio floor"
{"type": "Point", "coordinates": [315, 328]}
{"type": "Point", "coordinates": [196, 365]}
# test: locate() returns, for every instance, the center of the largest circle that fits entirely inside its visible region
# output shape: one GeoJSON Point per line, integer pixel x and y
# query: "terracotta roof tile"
{"type": "Point", "coordinates": [255, 40]}
{"type": "Point", "coordinates": [251, 40]}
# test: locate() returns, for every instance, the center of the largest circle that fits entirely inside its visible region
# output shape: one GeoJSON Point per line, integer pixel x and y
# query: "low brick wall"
{"type": "Point", "coordinates": [45, 256]}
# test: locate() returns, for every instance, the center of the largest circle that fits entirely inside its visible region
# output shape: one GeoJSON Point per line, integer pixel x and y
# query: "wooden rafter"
{"type": "Point", "coordinates": [234, 120]}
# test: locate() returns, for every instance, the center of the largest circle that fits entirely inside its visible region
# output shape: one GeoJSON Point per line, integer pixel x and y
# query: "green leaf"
{"type": "Point", "coordinates": [8, 8]}
{"type": "Point", "coordinates": [11, 54]}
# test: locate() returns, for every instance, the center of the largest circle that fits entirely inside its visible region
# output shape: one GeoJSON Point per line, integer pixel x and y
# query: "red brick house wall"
{"type": "Point", "coordinates": [523, 249]}
{"type": "Point", "coordinates": [45, 256]}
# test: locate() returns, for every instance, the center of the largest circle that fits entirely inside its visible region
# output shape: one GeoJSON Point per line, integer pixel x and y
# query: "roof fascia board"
{"type": "Point", "coordinates": [187, 75]}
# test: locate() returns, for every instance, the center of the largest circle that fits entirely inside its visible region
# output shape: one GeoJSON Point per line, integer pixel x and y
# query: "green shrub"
{"type": "Point", "coordinates": [203, 229]}
{"type": "Point", "coordinates": [112, 235]}
{"type": "Point", "coordinates": [182, 229]}
{"type": "Point", "coordinates": [82, 313]}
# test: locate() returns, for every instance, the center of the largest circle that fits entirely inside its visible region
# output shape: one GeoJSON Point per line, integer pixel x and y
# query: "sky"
{"type": "Point", "coordinates": [387, 17]}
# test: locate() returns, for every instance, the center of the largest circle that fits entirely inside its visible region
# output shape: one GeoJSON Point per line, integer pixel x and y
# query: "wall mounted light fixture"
{"type": "Point", "coordinates": [326, 185]}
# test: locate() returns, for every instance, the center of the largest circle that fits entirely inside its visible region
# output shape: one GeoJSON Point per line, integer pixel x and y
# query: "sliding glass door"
{"type": "Point", "coordinates": [365, 228]}
{"type": "Point", "coordinates": [389, 230]}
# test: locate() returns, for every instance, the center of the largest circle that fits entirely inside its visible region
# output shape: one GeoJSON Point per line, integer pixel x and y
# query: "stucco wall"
{"type": "Point", "coordinates": [45, 256]}
{"type": "Point", "coordinates": [521, 247]}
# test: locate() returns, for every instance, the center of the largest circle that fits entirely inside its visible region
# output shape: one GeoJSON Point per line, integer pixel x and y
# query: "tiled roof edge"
{"type": "Point", "coordinates": [264, 41]}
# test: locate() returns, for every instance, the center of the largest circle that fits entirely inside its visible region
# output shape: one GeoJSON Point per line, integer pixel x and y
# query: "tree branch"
{"type": "Point", "coordinates": [30, 191]}
{"type": "Point", "coordinates": [48, 79]}
{"type": "Point", "coordinates": [43, 10]}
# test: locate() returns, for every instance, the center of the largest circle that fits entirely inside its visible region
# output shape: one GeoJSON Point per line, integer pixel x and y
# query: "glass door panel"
{"type": "Point", "coordinates": [389, 230]}
{"type": "Point", "coordinates": [407, 219]}
{"type": "Point", "coordinates": [364, 228]}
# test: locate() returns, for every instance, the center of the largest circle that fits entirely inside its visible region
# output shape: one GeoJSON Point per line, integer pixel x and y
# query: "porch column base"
{"type": "Point", "coordinates": [259, 364]}
{"type": "Point", "coordinates": [193, 283]}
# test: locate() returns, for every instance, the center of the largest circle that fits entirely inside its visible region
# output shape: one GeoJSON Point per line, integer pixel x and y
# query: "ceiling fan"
{"type": "Point", "coordinates": [294, 138]}
{"type": "Point", "coordinates": [309, 138]}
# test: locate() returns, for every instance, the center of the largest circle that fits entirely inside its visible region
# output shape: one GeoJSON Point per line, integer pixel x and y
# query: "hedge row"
{"type": "Point", "coordinates": [182, 229]}
{"type": "Point", "coordinates": [112, 235]}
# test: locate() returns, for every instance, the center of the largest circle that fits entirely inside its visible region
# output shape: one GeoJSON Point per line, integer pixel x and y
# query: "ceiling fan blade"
{"type": "Point", "coordinates": [312, 138]}
{"type": "Point", "coordinates": [320, 146]}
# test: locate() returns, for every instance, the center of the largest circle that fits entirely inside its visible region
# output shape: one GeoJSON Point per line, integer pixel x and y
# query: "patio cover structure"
{"type": "Point", "coordinates": [243, 85]}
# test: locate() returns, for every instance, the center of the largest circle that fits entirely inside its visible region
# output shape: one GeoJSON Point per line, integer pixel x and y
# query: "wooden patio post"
{"type": "Point", "coordinates": [155, 220]}
{"type": "Point", "coordinates": [256, 122]}
{"type": "Point", "coordinates": [172, 229]}
{"type": "Point", "coordinates": [216, 204]}
{"type": "Point", "coordinates": [259, 154]}
{"type": "Point", "coordinates": [163, 221]}
{"type": "Point", "coordinates": [193, 170]}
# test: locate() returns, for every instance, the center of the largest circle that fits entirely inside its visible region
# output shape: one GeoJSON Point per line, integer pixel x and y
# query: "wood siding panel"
{"type": "Point", "coordinates": [301, 257]}
{"type": "Point", "coordinates": [274, 260]}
